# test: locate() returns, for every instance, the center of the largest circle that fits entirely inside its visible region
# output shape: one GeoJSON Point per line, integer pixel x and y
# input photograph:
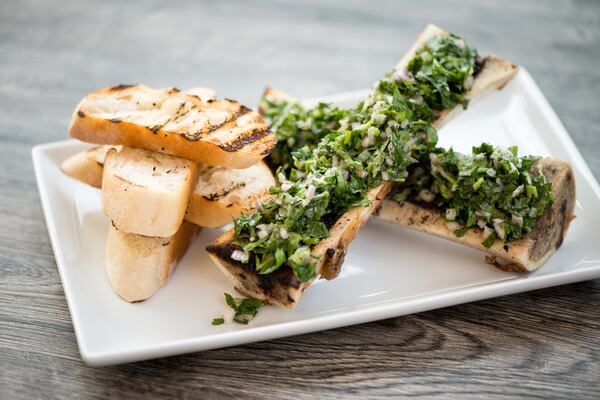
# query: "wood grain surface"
{"type": "Point", "coordinates": [543, 344]}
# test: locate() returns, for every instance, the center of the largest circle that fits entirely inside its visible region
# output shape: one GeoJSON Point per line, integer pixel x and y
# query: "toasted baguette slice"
{"type": "Point", "coordinates": [220, 195]}
{"type": "Point", "coordinates": [145, 192]}
{"type": "Point", "coordinates": [87, 166]}
{"type": "Point", "coordinates": [275, 94]}
{"type": "Point", "coordinates": [525, 254]}
{"type": "Point", "coordinates": [282, 288]}
{"type": "Point", "coordinates": [222, 133]}
{"type": "Point", "coordinates": [138, 265]}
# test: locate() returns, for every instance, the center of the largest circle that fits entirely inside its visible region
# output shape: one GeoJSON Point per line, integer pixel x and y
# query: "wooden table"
{"type": "Point", "coordinates": [540, 344]}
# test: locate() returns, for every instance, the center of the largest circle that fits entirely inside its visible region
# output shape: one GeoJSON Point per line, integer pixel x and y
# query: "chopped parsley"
{"type": "Point", "coordinates": [218, 321]}
{"type": "Point", "coordinates": [297, 127]}
{"type": "Point", "coordinates": [245, 309]}
{"type": "Point", "coordinates": [492, 188]}
{"type": "Point", "coordinates": [338, 155]}
{"type": "Point", "coordinates": [443, 71]}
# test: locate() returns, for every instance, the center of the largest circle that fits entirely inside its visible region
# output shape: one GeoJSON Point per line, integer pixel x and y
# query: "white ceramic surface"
{"type": "Point", "coordinates": [389, 271]}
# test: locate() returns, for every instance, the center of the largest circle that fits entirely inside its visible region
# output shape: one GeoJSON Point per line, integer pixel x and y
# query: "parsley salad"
{"type": "Point", "coordinates": [329, 158]}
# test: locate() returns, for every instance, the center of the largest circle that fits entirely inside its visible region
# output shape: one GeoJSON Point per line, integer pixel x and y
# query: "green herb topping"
{"type": "Point", "coordinates": [493, 189]}
{"type": "Point", "coordinates": [438, 76]}
{"type": "Point", "coordinates": [297, 127]}
{"type": "Point", "coordinates": [344, 153]}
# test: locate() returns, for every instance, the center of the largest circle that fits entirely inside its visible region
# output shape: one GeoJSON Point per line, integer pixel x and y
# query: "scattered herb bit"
{"type": "Point", "coordinates": [218, 321]}
{"type": "Point", "coordinates": [245, 309]}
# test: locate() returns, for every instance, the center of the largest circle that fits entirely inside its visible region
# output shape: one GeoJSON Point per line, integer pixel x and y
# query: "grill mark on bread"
{"type": "Point", "coordinates": [216, 196]}
{"type": "Point", "coordinates": [245, 139]}
{"type": "Point", "coordinates": [242, 110]}
{"type": "Point", "coordinates": [194, 136]}
{"type": "Point", "coordinates": [129, 182]}
{"type": "Point", "coordinates": [121, 87]}
{"type": "Point", "coordinates": [154, 129]}
{"type": "Point", "coordinates": [115, 120]}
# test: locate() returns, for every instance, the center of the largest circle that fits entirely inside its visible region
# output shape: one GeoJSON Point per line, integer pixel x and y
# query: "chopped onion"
{"type": "Point", "coordinates": [451, 214]}
{"type": "Point", "coordinates": [481, 223]}
{"type": "Point", "coordinates": [426, 195]}
{"type": "Point", "coordinates": [499, 228]}
{"type": "Point", "coordinates": [379, 105]}
{"type": "Point", "coordinates": [378, 117]}
{"type": "Point", "coordinates": [385, 176]}
{"type": "Point", "coordinates": [469, 82]}
{"type": "Point", "coordinates": [283, 233]}
{"type": "Point", "coordinates": [517, 220]}
{"type": "Point", "coordinates": [364, 155]}
{"type": "Point", "coordinates": [239, 255]}
{"type": "Point", "coordinates": [453, 226]}
{"type": "Point", "coordinates": [487, 231]}
{"type": "Point", "coordinates": [310, 192]}
{"type": "Point", "coordinates": [518, 191]}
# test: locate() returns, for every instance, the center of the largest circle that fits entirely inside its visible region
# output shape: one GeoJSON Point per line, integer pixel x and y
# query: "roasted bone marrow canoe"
{"type": "Point", "coordinates": [516, 209]}
{"type": "Point", "coordinates": [333, 183]}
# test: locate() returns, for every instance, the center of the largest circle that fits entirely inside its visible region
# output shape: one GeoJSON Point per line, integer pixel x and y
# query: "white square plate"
{"type": "Point", "coordinates": [389, 271]}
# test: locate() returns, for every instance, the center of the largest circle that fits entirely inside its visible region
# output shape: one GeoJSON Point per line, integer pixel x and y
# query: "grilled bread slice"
{"type": "Point", "coordinates": [87, 166]}
{"type": "Point", "coordinates": [145, 192]}
{"type": "Point", "coordinates": [523, 255]}
{"type": "Point", "coordinates": [282, 288]}
{"type": "Point", "coordinates": [182, 124]}
{"type": "Point", "coordinates": [220, 195]}
{"type": "Point", "coordinates": [138, 265]}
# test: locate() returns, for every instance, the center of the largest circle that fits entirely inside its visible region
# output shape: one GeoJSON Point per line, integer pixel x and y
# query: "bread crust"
{"type": "Point", "coordinates": [523, 255]}
{"type": "Point", "coordinates": [495, 73]}
{"type": "Point", "coordinates": [241, 140]}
